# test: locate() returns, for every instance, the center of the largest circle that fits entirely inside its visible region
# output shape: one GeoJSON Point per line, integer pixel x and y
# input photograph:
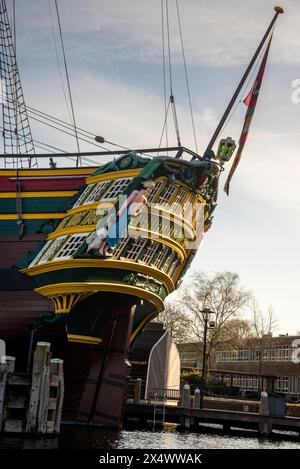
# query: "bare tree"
{"type": "Point", "coordinates": [220, 293]}
{"type": "Point", "coordinates": [177, 323]}
{"type": "Point", "coordinates": [232, 336]}
{"type": "Point", "coordinates": [263, 327]}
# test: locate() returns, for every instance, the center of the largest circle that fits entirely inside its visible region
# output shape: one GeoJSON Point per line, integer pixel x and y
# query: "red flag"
{"type": "Point", "coordinates": [250, 102]}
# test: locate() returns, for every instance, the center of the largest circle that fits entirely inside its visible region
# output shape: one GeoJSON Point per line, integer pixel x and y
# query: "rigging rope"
{"type": "Point", "coordinates": [186, 76]}
{"type": "Point", "coordinates": [165, 126]}
{"type": "Point", "coordinates": [166, 32]}
{"type": "Point", "coordinates": [57, 60]}
{"type": "Point", "coordinates": [68, 81]}
{"type": "Point", "coordinates": [14, 113]}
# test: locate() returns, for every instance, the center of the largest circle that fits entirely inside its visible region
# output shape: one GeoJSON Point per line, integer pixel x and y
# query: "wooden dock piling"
{"type": "Point", "coordinates": [32, 404]}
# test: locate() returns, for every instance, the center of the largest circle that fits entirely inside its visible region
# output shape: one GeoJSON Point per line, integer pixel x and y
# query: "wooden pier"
{"type": "Point", "coordinates": [32, 404]}
{"type": "Point", "coordinates": [186, 411]}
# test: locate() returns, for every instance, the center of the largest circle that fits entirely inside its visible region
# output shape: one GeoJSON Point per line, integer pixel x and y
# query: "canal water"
{"type": "Point", "coordinates": [170, 437]}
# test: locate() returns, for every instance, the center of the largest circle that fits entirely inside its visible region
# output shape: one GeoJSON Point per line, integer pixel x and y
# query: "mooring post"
{"type": "Point", "coordinates": [7, 366]}
{"type": "Point", "coordinates": [196, 402]}
{"type": "Point", "coordinates": [265, 428]}
{"type": "Point", "coordinates": [186, 396]}
{"type": "Point", "coordinates": [39, 393]}
{"type": "Point", "coordinates": [55, 403]}
{"type": "Point", "coordinates": [137, 391]}
{"type": "Point", "coordinates": [186, 403]}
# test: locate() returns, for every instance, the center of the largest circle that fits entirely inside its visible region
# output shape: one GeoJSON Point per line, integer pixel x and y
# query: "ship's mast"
{"type": "Point", "coordinates": [15, 128]}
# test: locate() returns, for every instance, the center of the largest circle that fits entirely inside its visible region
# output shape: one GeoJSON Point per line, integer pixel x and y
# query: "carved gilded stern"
{"type": "Point", "coordinates": [131, 233]}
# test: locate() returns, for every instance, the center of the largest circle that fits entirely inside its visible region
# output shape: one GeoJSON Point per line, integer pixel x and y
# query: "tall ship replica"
{"type": "Point", "coordinates": [88, 254]}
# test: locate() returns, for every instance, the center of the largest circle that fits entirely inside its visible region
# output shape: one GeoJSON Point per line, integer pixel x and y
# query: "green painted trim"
{"type": "Point", "coordinates": [34, 204]}
{"type": "Point", "coordinates": [87, 275]}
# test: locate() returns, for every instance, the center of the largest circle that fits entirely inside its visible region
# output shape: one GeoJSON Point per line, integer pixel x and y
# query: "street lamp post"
{"type": "Point", "coordinates": [206, 313]}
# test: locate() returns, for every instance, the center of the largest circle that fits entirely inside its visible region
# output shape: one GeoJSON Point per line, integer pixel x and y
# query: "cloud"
{"type": "Point", "coordinates": [218, 34]}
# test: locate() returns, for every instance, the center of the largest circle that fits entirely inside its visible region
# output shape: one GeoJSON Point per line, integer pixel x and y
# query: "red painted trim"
{"type": "Point", "coordinates": [45, 184]}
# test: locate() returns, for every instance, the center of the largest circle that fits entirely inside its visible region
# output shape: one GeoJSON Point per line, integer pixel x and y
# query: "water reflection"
{"type": "Point", "coordinates": [169, 437]}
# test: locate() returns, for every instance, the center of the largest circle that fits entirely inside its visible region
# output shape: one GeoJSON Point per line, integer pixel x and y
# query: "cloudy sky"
{"type": "Point", "coordinates": [114, 54]}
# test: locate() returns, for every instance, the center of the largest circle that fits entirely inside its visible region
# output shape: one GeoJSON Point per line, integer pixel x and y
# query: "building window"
{"type": "Point", "coordinates": [135, 249]}
{"type": "Point", "coordinates": [54, 247]}
{"type": "Point", "coordinates": [84, 195]}
{"type": "Point", "coordinates": [96, 194]}
{"type": "Point", "coordinates": [281, 384]}
{"type": "Point", "coordinates": [71, 246]}
{"type": "Point", "coordinates": [116, 188]}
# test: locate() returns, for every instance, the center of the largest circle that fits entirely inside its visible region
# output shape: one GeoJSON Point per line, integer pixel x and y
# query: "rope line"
{"type": "Point", "coordinates": [186, 77]}
{"type": "Point", "coordinates": [68, 81]}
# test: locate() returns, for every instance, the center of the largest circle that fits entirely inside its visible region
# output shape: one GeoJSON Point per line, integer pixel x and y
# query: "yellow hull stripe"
{"type": "Point", "coordinates": [121, 173]}
{"type": "Point", "coordinates": [102, 264]}
{"type": "Point", "coordinates": [84, 339]}
{"type": "Point", "coordinates": [31, 216]}
{"type": "Point", "coordinates": [48, 172]}
{"type": "Point", "coordinates": [70, 287]}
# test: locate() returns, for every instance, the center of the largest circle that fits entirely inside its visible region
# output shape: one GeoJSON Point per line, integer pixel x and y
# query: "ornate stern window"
{"type": "Point", "coordinates": [135, 249]}
{"type": "Point", "coordinates": [157, 189]}
{"type": "Point", "coordinates": [162, 253]}
{"type": "Point", "coordinates": [117, 253]}
{"type": "Point", "coordinates": [97, 192]}
{"type": "Point", "coordinates": [40, 254]}
{"type": "Point", "coordinates": [149, 252]}
{"type": "Point", "coordinates": [84, 195]}
{"type": "Point", "coordinates": [52, 249]}
{"type": "Point", "coordinates": [116, 189]}
{"type": "Point", "coordinates": [71, 246]}
{"type": "Point", "coordinates": [178, 204]}
{"type": "Point", "coordinates": [167, 195]}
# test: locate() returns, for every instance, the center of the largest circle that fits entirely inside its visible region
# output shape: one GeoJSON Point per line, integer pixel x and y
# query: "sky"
{"type": "Point", "coordinates": [114, 56]}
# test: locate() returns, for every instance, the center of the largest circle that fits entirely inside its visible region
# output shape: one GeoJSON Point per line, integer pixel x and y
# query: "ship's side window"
{"type": "Point", "coordinates": [71, 246]}
{"type": "Point", "coordinates": [53, 249]}
{"type": "Point", "coordinates": [135, 249]}
{"type": "Point", "coordinates": [84, 195]}
{"type": "Point", "coordinates": [116, 188]}
{"type": "Point", "coordinates": [157, 189]}
{"type": "Point", "coordinates": [97, 192]}
{"type": "Point", "coordinates": [167, 195]}
{"type": "Point", "coordinates": [41, 253]}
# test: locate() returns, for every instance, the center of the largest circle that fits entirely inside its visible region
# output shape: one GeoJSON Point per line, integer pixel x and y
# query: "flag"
{"type": "Point", "coordinates": [250, 101]}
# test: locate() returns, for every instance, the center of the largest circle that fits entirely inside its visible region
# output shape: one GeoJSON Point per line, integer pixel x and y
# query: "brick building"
{"type": "Point", "coordinates": [276, 356]}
